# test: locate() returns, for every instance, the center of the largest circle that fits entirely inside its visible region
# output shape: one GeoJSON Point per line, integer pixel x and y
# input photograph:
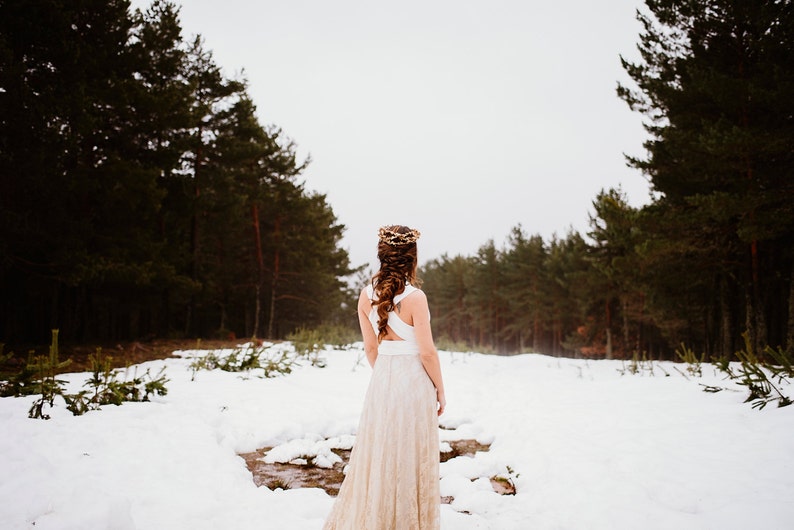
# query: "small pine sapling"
{"type": "Point", "coordinates": [693, 362]}
{"type": "Point", "coordinates": [46, 383]}
{"type": "Point", "coordinates": [763, 379]}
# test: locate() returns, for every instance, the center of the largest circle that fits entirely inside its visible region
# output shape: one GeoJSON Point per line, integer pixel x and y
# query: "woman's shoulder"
{"type": "Point", "coordinates": [367, 294]}
{"type": "Point", "coordinates": [414, 293]}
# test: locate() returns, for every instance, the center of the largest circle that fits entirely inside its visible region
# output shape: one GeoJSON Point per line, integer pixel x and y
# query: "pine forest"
{"type": "Point", "coordinates": [140, 196]}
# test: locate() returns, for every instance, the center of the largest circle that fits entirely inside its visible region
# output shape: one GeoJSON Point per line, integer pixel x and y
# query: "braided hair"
{"type": "Point", "coordinates": [398, 261]}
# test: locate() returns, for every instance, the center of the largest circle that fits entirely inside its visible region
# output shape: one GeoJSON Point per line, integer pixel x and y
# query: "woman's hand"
{"type": "Point", "coordinates": [442, 402]}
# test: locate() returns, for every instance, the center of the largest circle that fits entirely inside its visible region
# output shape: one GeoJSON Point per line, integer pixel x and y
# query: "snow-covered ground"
{"type": "Point", "coordinates": [589, 448]}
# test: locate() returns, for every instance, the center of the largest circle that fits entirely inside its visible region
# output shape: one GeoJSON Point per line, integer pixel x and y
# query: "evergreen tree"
{"type": "Point", "coordinates": [614, 234]}
{"type": "Point", "coordinates": [446, 281]}
{"type": "Point", "coordinates": [69, 89]}
{"type": "Point", "coordinates": [526, 289]}
{"type": "Point", "coordinates": [716, 81]}
{"type": "Point", "coordinates": [305, 285]}
{"type": "Point", "coordinates": [139, 193]}
{"type": "Point", "coordinates": [568, 271]}
{"type": "Point", "coordinates": [205, 171]}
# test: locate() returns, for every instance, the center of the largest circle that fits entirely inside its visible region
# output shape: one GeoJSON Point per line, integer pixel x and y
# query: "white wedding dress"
{"type": "Point", "coordinates": [392, 481]}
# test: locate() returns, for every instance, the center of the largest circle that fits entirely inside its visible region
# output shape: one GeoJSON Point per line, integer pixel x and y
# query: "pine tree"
{"type": "Point", "coordinates": [76, 197]}
{"type": "Point", "coordinates": [131, 173]}
{"type": "Point", "coordinates": [485, 297]}
{"type": "Point", "coordinates": [526, 286]}
{"type": "Point", "coordinates": [446, 281]}
{"type": "Point", "coordinates": [613, 255]}
{"type": "Point", "coordinates": [569, 291]}
{"type": "Point", "coordinates": [716, 81]}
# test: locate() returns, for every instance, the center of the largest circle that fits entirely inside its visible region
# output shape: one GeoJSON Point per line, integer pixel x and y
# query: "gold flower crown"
{"type": "Point", "coordinates": [390, 236]}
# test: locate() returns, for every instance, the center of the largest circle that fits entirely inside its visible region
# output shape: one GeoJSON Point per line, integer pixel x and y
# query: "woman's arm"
{"type": "Point", "coordinates": [420, 314]}
{"type": "Point", "coordinates": [368, 334]}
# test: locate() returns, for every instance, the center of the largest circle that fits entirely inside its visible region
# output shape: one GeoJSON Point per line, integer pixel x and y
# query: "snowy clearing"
{"type": "Point", "coordinates": [587, 448]}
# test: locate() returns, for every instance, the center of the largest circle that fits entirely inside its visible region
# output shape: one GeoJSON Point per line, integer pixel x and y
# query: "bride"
{"type": "Point", "coordinates": [392, 479]}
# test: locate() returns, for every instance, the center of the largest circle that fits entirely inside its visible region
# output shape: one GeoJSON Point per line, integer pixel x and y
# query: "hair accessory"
{"type": "Point", "coordinates": [390, 235]}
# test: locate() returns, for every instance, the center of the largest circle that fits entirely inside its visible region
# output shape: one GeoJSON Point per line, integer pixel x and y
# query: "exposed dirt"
{"type": "Point", "coordinates": [121, 353]}
{"type": "Point", "coordinates": [287, 476]}
{"type": "Point", "coordinates": [291, 476]}
{"type": "Point", "coordinates": [464, 448]}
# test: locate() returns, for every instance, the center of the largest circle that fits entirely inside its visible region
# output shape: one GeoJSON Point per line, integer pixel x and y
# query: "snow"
{"type": "Point", "coordinates": [587, 448]}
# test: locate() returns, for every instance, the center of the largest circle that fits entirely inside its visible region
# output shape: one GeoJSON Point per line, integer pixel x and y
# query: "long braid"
{"type": "Point", "coordinates": [397, 255]}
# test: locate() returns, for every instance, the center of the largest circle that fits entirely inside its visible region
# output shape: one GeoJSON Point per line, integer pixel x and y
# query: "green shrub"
{"type": "Point", "coordinates": [45, 381]}
{"type": "Point", "coordinates": [105, 387]}
{"type": "Point", "coordinates": [445, 343]}
{"type": "Point", "coordinates": [765, 376]}
{"type": "Point", "coordinates": [38, 376]}
{"type": "Point", "coordinates": [639, 364]}
{"type": "Point", "coordinates": [309, 344]}
{"type": "Point", "coordinates": [693, 362]}
{"type": "Point", "coordinates": [272, 361]}
{"type": "Point", "coordinates": [334, 335]}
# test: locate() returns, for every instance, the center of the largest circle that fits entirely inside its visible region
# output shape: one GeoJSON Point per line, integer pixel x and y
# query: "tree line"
{"type": "Point", "coordinates": [709, 263]}
{"type": "Point", "coordinates": [140, 195]}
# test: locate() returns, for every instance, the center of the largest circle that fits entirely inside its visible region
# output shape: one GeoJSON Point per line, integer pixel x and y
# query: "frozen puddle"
{"type": "Point", "coordinates": [316, 462]}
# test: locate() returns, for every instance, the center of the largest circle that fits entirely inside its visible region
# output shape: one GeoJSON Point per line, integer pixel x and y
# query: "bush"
{"type": "Point", "coordinates": [106, 389]}
{"type": "Point", "coordinates": [447, 344]}
{"type": "Point", "coordinates": [38, 376]}
{"type": "Point", "coordinates": [693, 362]}
{"type": "Point", "coordinates": [272, 361]}
{"type": "Point", "coordinates": [309, 343]}
{"type": "Point", "coordinates": [765, 376]}
{"type": "Point", "coordinates": [336, 336]}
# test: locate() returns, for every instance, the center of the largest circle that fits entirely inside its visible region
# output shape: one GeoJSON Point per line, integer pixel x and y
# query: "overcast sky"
{"type": "Point", "coordinates": [460, 118]}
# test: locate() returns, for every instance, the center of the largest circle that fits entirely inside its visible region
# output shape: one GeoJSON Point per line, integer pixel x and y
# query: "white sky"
{"type": "Point", "coordinates": [459, 118]}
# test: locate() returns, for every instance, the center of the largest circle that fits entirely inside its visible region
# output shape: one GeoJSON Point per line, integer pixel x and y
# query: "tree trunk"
{"type": "Point", "coordinates": [608, 330]}
{"type": "Point", "coordinates": [749, 318]}
{"type": "Point", "coordinates": [790, 334]}
{"type": "Point", "coordinates": [194, 239]}
{"type": "Point", "coordinates": [625, 310]}
{"type": "Point", "coordinates": [759, 334]}
{"type": "Point", "coordinates": [222, 323]}
{"type": "Point", "coordinates": [272, 317]}
{"type": "Point", "coordinates": [760, 317]}
{"type": "Point", "coordinates": [640, 326]}
{"type": "Point", "coordinates": [275, 276]}
{"type": "Point", "coordinates": [260, 267]}
{"type": "Point", "coordinates": [536, 333]}
{"type": "Point", "coordinates": [557, 336]}
{"type": "Point", "coordinates": [257, 310]}
{"type": "Point", "coordinates": [726, 331]}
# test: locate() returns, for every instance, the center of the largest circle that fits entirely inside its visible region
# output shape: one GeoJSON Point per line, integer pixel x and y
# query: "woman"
{"type": "Point", "coordinates": [392, 479]}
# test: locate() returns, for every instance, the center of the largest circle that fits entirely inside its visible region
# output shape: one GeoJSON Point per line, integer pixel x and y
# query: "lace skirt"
{"type": "Point", "coordinates": [392, 480]}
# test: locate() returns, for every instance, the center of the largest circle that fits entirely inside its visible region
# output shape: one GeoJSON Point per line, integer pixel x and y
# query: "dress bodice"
{"type": "Point", "coordinates": [401, 329]}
